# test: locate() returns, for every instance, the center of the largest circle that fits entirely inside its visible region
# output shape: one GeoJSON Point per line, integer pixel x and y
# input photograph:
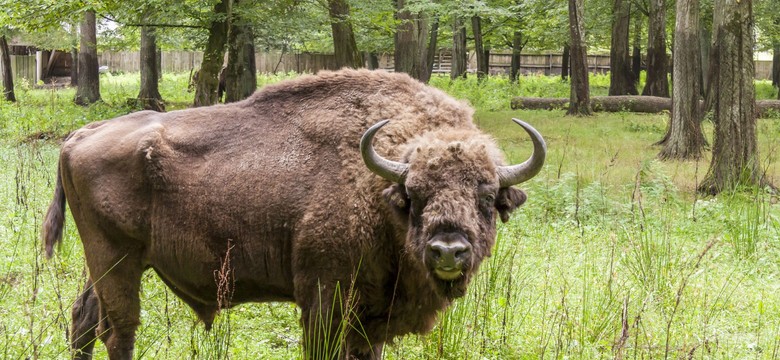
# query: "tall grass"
{"type": "Point", "coordinates": [613, 256]}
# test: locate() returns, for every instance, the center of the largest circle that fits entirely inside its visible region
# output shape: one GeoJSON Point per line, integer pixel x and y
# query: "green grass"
{"type": "Point", "coordinates": [610, 242]}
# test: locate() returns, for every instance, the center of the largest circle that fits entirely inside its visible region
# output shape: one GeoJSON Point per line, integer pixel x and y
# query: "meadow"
{"type": "Point", "coordinates": [613, 256]}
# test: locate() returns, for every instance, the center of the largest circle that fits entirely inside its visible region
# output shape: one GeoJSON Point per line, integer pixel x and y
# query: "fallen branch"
{"type": "Point", "coordinates": [630, 103]}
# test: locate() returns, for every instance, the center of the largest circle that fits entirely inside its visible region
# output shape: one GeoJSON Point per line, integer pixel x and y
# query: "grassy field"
{"type": "Point", "coordinates": [613, 255]}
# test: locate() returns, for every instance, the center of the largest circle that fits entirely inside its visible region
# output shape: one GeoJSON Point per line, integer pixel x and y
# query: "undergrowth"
{"type": "Point", "coordinates": [613, 255]}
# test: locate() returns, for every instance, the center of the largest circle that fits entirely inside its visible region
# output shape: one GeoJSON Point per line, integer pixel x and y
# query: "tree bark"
{"type": "Point", "coordinates": [579, 99]}
{"type": "Point", "coordinates": [149, 96]}
{"type": "Point", "coordinates": [565, 61]}
{"type": "Point", "coordinates": [344, 45]}
{"type": "Point", "coordinates": [657, 83]}
{"type": "Point", "coordinates": [776, 65]}
{"type": "Point", "coordinates": [479, 49]}
{"type": "Point", "coordinates": [88, 91]}
{"type": "Point", "coordinates": [372, 60]}
{"type": "Point", "coordinates": [517, 49]}
{"type": "Point", "coordinates": [621, 80]}
{"type": "Point", "coordinates": [636, 56]}
{"type": "Point", "coordinates": [241, 74]}
{"type": "Point", "coordinates": [207, 83]}
{"type": "Point", "coordinates": [705, 44]}
{"type": "Point", "coordinates": [684, 138]}
{"type": "Point", "coordinates": [431, 51]}
{"type": "Point", "coordinates": [410, 50]}
{"type": "Point", "coordinates": [459, 51]}
{"type": "Point", "coordinates": [7, 75]}
{"type": "Point", "coordinates": [735, 160]}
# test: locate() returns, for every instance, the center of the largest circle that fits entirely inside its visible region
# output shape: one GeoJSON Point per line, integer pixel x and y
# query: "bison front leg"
{"type": "Point", "coordinates": [331, 325]}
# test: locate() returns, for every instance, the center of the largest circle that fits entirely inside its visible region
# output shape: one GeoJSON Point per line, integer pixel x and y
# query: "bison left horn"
{"type": "Point", "coordinates": [387, 169]}
{"type": "Point", "coordinates": [515, 174]}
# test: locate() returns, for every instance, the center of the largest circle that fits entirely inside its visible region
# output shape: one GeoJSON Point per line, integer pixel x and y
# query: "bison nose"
{"type": "Point", "coordinates": [449, 252]}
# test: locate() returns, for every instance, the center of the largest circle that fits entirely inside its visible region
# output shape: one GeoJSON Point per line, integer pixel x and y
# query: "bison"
{"type": "Point", "coordinates": [292, 195]}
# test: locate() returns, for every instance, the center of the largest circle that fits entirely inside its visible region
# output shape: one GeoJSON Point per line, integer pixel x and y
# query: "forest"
{"type": "Point", "coordinates": [653, 230]}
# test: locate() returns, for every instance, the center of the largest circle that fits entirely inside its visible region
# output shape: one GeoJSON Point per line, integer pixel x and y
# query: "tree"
{"type": "Point", "coordinates": [241, 73]}
{"type": "Point", "coordinates": [735, 159]}
{"type": "Point", "coordinates": [579, 100]}
{"type": "Point", "coordinates": [7, 75]}
{"type": "Point", "coordinates": [565, 61]}
{"type": "Point", "coordinates": [518, 43]}
{"type": "Point", "coordinates": [459, 51]}
{"type": "Point", "coordinates": [411, 54]}
{"type": "Point", "coordinates": [621, 80]}
{"type": "Point", "coordinates": [344, 46]}
{"type": "Point", "coordinates": [207, 82]}
{"type": "Point", "coordinates": [684, 138]}
{"type": "Point", "coordinates": [483, 64]}
{"type": "Point", "coordinates": [149, 94]}
{"type": "Point", "coordinates": [657, 62]}
{"type": "Point", "coordinates": [88, 91]}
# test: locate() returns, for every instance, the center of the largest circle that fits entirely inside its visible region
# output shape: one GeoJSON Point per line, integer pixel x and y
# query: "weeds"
{"type": "Point", "coordinates": [611, 257]}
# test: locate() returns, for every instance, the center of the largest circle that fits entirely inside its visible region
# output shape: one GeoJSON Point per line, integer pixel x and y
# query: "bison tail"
{"type": "Point", "coordinates": [54, 222]}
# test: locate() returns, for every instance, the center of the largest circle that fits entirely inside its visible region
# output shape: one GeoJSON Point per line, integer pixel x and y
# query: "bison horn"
{"type": "Point", "coordinates": [515, 174]}
{"type": "Point", "coordinates": [389, 170]}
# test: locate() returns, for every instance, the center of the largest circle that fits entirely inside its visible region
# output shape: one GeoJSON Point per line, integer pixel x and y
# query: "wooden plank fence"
{"type": "Point", "coordinates": [269, 62]}
{"type": "Point", "coordinates": [22, 67]}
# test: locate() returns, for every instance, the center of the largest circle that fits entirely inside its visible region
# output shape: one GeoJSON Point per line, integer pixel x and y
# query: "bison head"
{"type": "Point", "coordinates": [448, 188]}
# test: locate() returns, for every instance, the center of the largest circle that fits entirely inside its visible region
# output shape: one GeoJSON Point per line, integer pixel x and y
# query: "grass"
{"type": "Point", "coordinates": [613, 255]}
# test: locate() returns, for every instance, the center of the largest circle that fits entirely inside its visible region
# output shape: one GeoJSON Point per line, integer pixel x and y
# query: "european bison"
{"type": "Point", "coordinates": [285, 195]}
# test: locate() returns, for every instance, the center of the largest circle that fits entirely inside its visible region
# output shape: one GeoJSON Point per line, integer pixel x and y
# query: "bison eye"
{"type": "Point", "coordinates": [488, 199]}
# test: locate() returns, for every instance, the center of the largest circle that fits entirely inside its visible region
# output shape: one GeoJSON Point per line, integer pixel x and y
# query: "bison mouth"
{"type": "Point", "coordinates": [448, 255]}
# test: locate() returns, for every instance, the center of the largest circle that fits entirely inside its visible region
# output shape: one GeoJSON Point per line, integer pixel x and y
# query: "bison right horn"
{"type": "Point", "coordinates": [387, 169]}
{"type": "Point", "coordinates": [515, 174]}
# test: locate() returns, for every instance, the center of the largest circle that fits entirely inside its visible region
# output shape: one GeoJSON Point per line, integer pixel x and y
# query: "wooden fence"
{"type": "Point", "coordinates": [184, 61]}
{"type": "Point", "coordinates": [22, 67]}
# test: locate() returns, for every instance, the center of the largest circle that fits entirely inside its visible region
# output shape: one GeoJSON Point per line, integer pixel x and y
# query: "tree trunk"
{"type": "Point", "coordinates": [636, 56]}
{"type": "Point", "coordinates": [88, 91]}
{"type": "Point", "coordinates": [7, 75]}
{"type": "Point", "coordinates": [517, 49]}
{"type": "Point", "coordinates": [344, 46]}
{"type": "Point", "coordinates": [372, 60]}
{"type": "Point", "coordinates": [410, 49]}
{"type": "Point", "coordinates": [621, 80]}
{"type": "Point", "coordinates": [705, 44]}
{"type": "Point", "coordinates": [149, 96]}
{"type": "Point", "coordinates": [565, 62]}
{"type": "Point", "coordinates": [74, 67]}
{"type": "Point", "coordinates": [579, 99]}
{"type": "Point", "coordinates": [684, 138]}
{"type": "Point", "coordinates": [657, 83]}
{"type": "Point", "coordinates": [776, 64]}
{"type": "Point", "coordinates": [735, 158]}
{"type": "Point", "coordinates": [431, 51]}
{"type": "Point", "coordinates": [459, 51]}
{"type": "Point", "coordinates": [479, 49]}
{"type": "Point", "coordinates": [207, 83]}
{"type": "Point", "coordinates": [241, 74]}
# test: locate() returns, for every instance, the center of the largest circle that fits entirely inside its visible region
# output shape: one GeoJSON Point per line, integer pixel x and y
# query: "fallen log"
{"type": "Point", "coordinates": [630, 103]}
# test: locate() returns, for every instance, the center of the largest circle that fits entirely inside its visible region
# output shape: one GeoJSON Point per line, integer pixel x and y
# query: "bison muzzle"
{"type": "Point", "coordinates": [367, 198]}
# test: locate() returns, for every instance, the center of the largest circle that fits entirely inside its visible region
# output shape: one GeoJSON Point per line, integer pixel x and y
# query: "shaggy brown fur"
{"type": "Point", "coordinates": [279, 177]}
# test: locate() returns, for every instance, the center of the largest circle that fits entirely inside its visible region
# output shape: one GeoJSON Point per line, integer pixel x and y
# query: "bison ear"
{"type": "Point", "coordinates": [508, 200]}
{"type": "Point", "coordinates": [396, 196]}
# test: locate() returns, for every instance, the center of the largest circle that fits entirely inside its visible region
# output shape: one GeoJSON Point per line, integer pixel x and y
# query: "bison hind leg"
{"type": "Point", "coordinates": [85, 315]}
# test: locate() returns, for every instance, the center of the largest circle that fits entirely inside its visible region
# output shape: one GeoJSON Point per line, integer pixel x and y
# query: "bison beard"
{"type": "Point", "coordinates": [288, 194]}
